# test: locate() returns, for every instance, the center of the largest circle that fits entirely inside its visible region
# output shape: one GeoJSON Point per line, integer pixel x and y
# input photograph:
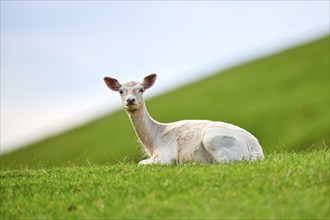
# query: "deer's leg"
{"type": "Point", "coordinates": [156, 159]}
{"type": "Point", "coordinates": [146, 162]}
{"type": "Point", "coordinates": [152, 160]}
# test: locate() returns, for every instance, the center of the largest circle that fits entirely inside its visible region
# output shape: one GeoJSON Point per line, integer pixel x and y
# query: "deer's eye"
{"type": "Point", "coordinates": [141, 90]}
{"type": "Point", "coordinates": [121, 91]}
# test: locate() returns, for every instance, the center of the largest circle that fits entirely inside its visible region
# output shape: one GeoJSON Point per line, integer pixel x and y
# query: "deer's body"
{"type": "Point", "coordinates": [187, 140]}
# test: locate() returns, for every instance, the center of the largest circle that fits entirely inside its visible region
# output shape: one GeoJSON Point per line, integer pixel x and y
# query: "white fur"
{"type": "Point", "coordinates": [187, 140]}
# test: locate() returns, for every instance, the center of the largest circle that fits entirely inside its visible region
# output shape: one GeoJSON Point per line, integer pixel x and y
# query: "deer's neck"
{"type": "Point", "coordinates": [146, 128]}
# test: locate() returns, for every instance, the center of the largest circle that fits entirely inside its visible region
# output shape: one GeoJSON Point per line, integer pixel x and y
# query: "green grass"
{"type": "Point", "coordinates": [285, 185]}
{"type": "Point", "coordinates": [282, 99]}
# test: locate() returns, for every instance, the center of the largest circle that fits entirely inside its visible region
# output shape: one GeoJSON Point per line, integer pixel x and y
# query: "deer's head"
{"type": "Point", "coordinates": [131, 92]}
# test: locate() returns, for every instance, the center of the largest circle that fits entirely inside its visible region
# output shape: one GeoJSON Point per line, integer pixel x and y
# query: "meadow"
{"type": "Point", "coordinates": [283, 186]}
{"type": "Point", "coordinates": [91, 171]}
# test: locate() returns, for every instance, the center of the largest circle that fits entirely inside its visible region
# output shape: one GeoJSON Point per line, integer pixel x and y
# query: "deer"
{"type": "Point", "coordinates": [185, 141]}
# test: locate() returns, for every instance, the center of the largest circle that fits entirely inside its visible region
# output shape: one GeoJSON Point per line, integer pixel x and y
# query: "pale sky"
{"type": "Point", "coordinates": [55, 54]}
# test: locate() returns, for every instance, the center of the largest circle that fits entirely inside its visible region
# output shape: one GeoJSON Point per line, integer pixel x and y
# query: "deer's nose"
{"type": "Point", "coordinates": [130, 101]}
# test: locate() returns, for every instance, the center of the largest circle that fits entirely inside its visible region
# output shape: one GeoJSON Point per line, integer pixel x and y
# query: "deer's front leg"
{"type": "Point", "coordinates": [146, 162]}
{"type": "Point", "coordinates": [157, 160]}
{"type": "Point", "coordinates": [152, 160]}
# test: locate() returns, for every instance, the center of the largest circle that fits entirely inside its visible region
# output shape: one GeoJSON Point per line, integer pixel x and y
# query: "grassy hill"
{"type": "Point", "coordinates": [282, 99]}
{"type": "Point", "coordinates": [283, 186]}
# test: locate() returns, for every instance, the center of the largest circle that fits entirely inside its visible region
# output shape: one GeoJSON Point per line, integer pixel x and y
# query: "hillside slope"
{"type": "Point", "coordinates": [282, 99]}
{"type": "Point", "coordinates": [283, 186]}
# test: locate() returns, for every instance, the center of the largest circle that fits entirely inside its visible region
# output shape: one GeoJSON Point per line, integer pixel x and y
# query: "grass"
{"type": "Point", "coordinates": [282, 99]}
{"type": "Point", "coordinates": [285, 185]}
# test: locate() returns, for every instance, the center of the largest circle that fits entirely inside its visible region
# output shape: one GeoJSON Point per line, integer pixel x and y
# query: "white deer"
{"type": "Point", "coordinates": [183, 141]}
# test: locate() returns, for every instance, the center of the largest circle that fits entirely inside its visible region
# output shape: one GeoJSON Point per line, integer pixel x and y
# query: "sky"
{"type": "Point", "coordinates": [55, 54]}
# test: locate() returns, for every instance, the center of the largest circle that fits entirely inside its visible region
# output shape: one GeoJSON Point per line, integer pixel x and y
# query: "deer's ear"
{"type": "Point", "coordinates": [149, 81]}
{"type": "Point", "coordinates": [112, 84]}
